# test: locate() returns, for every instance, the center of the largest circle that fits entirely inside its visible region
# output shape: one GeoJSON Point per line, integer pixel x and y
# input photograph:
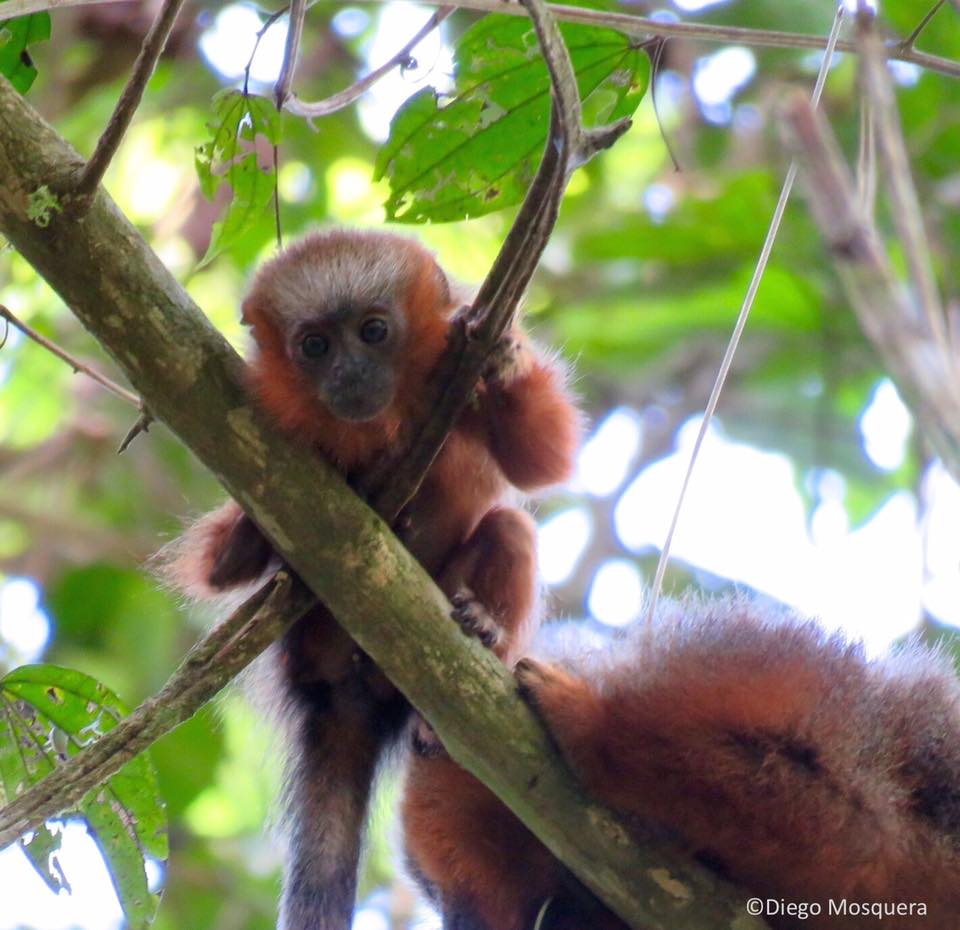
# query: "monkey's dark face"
{"type": "Point", "coordinates": [350, 354]}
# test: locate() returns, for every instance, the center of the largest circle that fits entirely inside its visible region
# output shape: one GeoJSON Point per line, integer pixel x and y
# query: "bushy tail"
{"type": "Point", "coordinates": [343, 715]}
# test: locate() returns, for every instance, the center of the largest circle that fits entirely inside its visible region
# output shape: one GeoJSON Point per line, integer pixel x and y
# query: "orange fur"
{"type": "Point", "coordinates": [772, 752]}
{"type": "Point", "coordinates": [188, 562]}
{"type": "Point", "coordinates": [523, 430]}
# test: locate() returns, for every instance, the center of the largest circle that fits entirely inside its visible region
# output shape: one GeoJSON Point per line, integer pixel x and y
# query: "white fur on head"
{"type": "Point", "coordinates": [339, 266]}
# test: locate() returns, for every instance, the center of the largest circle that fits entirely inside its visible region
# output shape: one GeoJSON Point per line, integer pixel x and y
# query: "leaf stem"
{"type": "Point", "coordinates": [738, 329]}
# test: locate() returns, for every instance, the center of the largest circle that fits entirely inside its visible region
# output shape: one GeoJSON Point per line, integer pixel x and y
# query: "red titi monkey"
{"type": "Point", "coordinates": [348, 328]}
{"type": "Point", "coordinates": [774, 753]}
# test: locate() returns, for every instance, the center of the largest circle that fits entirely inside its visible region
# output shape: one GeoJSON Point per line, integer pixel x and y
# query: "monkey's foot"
{"type": "Point", "coordinates": [473, 618]}
{"type": "Point", "coordinates": [425, 741]}
{"type": "Point", "coordinates": [544, 686]}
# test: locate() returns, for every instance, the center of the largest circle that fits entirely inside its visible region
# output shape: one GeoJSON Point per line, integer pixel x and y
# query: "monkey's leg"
{"type": "Point", "coordinates": [345, 714]}
{"type": "Point", "coordinates": [491, 580]}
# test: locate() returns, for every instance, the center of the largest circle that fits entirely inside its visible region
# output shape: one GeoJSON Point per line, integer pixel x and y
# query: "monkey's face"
{"type": "Point", "coordinates": [350, 354]}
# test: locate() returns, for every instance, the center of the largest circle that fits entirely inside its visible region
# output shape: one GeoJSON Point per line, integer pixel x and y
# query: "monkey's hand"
{"type": "Point", "coordinates": [510, 359]}
{"type": "Point", "coordinates": [563, 701]}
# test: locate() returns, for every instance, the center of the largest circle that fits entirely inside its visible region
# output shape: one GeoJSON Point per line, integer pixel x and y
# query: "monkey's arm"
{"type": "Point", "coordinates": [533, 425]}
{"type": "Point", "coordinates": [222, 551]}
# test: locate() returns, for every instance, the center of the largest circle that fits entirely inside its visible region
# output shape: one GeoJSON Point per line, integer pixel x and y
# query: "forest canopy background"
{"type": "Point", "coordinates": [813, 488]}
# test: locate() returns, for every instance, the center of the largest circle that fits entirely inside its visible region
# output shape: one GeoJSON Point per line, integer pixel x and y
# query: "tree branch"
{"type": "Point", "coordinates": [568, 146]}
{"type": "Point", "coordinates": [192, 380]}
{"type": "Point", "coordinates": [907, 215]}
{"type": "Point", "coordinates": [920, 363]}
{"type": "Point", "coordinates": [292, 104]}
{"type": "Point", "coordinates": [78, 366]}
{"type": "Point", "coordinates": [624, 22]}
{"type": "Point", "coordinates": [212, 663]}
{"type": "Point", "coordinates": [291, 52]}
{"type": "Point", "coordinates": [109, 142]}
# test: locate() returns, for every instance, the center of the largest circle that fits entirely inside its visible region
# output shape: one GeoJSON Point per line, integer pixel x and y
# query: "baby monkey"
{"type": "Point", "coordinates": [348, 328]}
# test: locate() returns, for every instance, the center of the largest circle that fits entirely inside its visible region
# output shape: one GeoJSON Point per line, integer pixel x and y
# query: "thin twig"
{"type": "Point", "coordinates": [639, 26]}
{"type": "Point", "coordinates": [109, 142]}
{"type": "Point", "coordinates": [909, 41]}
{"type": "Point", "coordinates": [907, 215]}
{"type": "Point", "coordinates": [624, 22]}
{"type": "Point", "coordinates": [291, 51]}
{"type": "Point", "coordinates": [278, 226]}
{"type": "Point", "coordinates": [656, 57]}
{"type": "Point", "coordinates": [391, 485]}
{"type": "Point", "coordinates": [741, 323]}
{"type": "Point", "coordinates": [261, 32]}
{"type": "Point", "coordinates": [141, 426]}
{"type": "Point", "coordinates": [78, 366]}
{"type": "Point", "coordinates": [292, 104]}
{"type": "Point", "coordinates": [212, 663]}
{"type": "Point", "coordinates": [920, 365]}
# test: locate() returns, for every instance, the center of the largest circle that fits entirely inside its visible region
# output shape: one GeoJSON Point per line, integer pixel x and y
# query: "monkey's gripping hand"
{"type": "Point", "coordinates": [533, 427]}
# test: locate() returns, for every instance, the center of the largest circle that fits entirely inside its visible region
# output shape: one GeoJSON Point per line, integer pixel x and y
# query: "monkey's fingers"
{"type": "Point", "coordinates": [474, 619]}
{"type": "Point", "coordinates": [552, 692]}
{"type": "Point", "coordinates": [509, 360]}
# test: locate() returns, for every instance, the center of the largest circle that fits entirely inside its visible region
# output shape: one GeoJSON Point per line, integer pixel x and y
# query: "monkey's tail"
{"type": "Point", "coordinates": [342, 716]}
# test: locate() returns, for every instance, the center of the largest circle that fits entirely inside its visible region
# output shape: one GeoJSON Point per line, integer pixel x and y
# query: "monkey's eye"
{"type": "Point", "coordinates": [314, 346]}
{"type": "Point", "coordinates": [374, 330]}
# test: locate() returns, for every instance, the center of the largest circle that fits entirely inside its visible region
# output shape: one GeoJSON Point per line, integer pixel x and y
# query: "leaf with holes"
{"type": "Point", "coordinates": [47, 715]}
{"type": "Point", "coordinates": [16, 35]}
{"type": "Point", "coordinates": [230, 157]}
{"type": "Point", "coordinates": [477, 150]}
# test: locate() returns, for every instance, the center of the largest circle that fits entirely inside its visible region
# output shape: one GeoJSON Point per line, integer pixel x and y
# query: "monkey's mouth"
{"type": "Point", "coordinates": [359, 406]}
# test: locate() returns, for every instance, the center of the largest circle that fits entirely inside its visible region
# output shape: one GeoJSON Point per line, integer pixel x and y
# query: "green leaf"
{"type": "Point", "coordinates": [477, 150]}
{"type": "Point", "coordinates": [40, 849]}
{"type": "Point", "coordinates": [230, 157]}
{"type": "Point", "coordinates": [15, 36]}
{"type": "Point", "coordinates": [47, 715]}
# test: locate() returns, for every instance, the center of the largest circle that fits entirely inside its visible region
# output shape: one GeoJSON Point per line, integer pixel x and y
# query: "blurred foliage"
{"type": "Point", "coordinates": [230, 157]}
{"type": "Point", "coordinates": [49, 713]}
{"type": "Point", "coordinates": [640, 285]}
{"type": "Point", "coordinates": [16, 36]}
